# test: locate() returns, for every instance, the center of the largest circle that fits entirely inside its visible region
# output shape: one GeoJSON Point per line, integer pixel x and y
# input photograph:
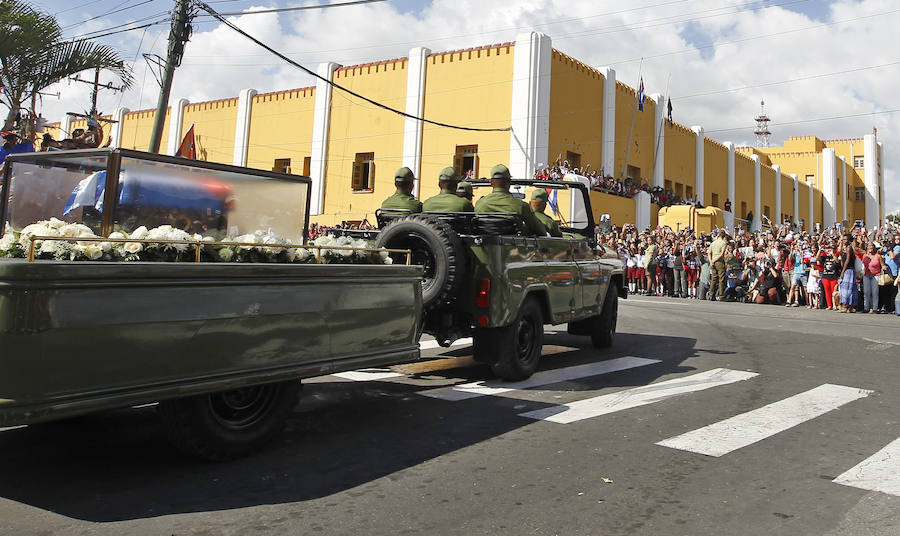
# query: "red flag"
{"type": "Point", "coordinates": [187, 149]}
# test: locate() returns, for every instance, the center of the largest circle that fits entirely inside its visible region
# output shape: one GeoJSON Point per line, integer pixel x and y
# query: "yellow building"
{"type": "Point", "coordinates": [523, 104]}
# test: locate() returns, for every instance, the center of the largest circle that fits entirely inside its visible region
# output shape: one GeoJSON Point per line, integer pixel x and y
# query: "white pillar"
{"type": "Point", "coordinates": [415, 105]}
{"type": "Point", "coordinates": [608, 123]}
{"type": "Point", "coordinates": [642, 210]}
{"type": "Point", "coordinates": [870, 167]}
{"type": "Point", "coordinates": [812, 213]}
{"type": "Point", "coordinates": [829, 180]}
{"type": "Point", "coordinates": [883, 194]}
{"type": "Point", "coordinates": [176, 125]}
{"type": "Point", "coordinates": [778, 219]}
{"type": "Point", "coordinates": [659, 142]}
{"type": "Point", "coordinates": [319, 144]}
{"type": "Point", "coordinates": [65, 127]}
{"type": "Point", "coordinates": [698, 158]}
{"type": "Point", "coordinates": [756, 224]}
{"type": "Point", "coordinates": [242, 127]}
{"type": "Point", "coordinates": [843, 193]}
{"type": "Point", "coordinates": [796, 199]}
{"type": "Point", "coordinates": [117, 127]}
{"type": "Point", "coordinates": [530, 114]}
{"type": "Point", "coordinates": [729, 216]}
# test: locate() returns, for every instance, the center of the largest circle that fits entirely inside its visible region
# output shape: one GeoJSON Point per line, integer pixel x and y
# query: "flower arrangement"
{"type": "Point", "coordinates": [177, 245]}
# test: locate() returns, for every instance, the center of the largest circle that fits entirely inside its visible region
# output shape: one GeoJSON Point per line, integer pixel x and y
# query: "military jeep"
{"type": "Point", "coordinates": [487, 278]}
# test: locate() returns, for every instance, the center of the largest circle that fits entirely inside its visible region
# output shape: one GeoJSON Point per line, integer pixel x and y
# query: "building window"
{"type": "Point", "coordinates": [574, 160]}
{"type": "Point", "coordinates": [810, 179]}
{"type": "Point", "coordinates": [766, 211]}
{"type": "Point", "coordinates": [363, 172]}
{"type": "Point", "coordinates": [466, 160]}
{"type": "Point", "coordinates": [860, 194]}
{"type": "Point", "coordinates": [667, 184]}
{"type": "Point", "coordinates": [744, 210]}
{"type": "Point", "coordinates": [679, 189]}
{"type": "Point", "coordinates": [282, 165]}
{"type": "Point", "coordinates": [714, 199]}
{"type": "Point", "coordinates": [634, 172]}
{"type": "Point", "coordinates": [307, 164]}
{"type": "Point", "coordinates": [688, 192]}
{"type": "Point", "coordinates": [859, 161]}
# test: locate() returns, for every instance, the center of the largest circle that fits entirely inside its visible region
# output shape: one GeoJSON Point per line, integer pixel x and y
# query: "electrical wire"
{"type": "Point", "coordinates": [111, 12]}
{"type": "Point", "coordinates": [82, 38]}
{"type": "Point", "coordinates": [231, 25]}
{"type": "Point", "coordinates": [299, 8]}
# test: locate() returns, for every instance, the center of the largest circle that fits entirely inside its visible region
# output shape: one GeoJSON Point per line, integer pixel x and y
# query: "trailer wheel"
{"type": "Point", "coordinates": [603, 333]}
{"type": "Point", "coordinates": [229, 424]}
{"type": "Point", "coordinates": [519, 345]}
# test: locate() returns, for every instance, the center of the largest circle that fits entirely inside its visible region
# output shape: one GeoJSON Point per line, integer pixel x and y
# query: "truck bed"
{"type": "Point", "coordinates": [86, 336]}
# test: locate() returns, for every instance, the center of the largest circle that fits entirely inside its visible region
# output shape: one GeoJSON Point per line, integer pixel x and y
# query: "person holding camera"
{"type": "Point", "coordinates": [768, 286]}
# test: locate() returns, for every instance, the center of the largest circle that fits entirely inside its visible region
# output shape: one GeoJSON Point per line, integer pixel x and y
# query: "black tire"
{"type": "Point", "coordinates": [435, 246]}
{"type": "Point", "coordinates": [229, 424]}
{"type": "Point", "coordinates": [604, 333]}
{"type": "Point", "coordinates": [520, 344]}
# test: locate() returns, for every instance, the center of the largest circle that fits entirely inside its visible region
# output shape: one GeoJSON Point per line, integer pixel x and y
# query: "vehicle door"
{"type": "Point", "coordinates": [560, 274]}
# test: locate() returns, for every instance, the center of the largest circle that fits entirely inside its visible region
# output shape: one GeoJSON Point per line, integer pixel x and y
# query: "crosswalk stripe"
{"type": "Point", "coordinates": [495, 387]}
{"type": "Point", "coordinates": [879, 472]}
{"type": "Point", "coordinates": [745, 429]}
{"type": "Point", "coordinates": [432, 344]}
{"type": "Point", "coordinates": [639, 396]}
{"type": "Point", "coordinates": [367, 375]}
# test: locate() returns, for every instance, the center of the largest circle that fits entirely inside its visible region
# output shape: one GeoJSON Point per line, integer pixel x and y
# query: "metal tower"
{"type": "Point", "coordinates": [762, 126]}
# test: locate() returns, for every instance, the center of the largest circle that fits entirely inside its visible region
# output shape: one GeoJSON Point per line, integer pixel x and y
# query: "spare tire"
{"type": "Point", "coordinates": [436, 247]}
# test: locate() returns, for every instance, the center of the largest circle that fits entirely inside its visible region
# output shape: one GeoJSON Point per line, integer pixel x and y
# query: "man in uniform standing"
{"type": "Point", "coordinates": [717, 266]}
{"type": "Point", "coordinates": [403, 198]}
{"type": "Point", "coordinates": [447, 200]}
{"type": "Point", "coordinates": [538, 204]}
{"type": "Point", "coordinates": [500, 200]}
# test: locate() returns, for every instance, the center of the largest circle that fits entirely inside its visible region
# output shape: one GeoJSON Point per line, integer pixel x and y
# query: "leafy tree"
{"type": "Point", "coordinates": [34, 55]}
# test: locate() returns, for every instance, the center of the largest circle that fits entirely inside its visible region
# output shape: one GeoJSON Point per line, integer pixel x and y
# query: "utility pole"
{"type": "Point", "coordinates": [97, 87]}
{"type": "Point", "coordinates": [178, 36]}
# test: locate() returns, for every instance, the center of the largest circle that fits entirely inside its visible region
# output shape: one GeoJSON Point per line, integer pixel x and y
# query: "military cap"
{"type": "Point", "coordinates": [500, 172]}
{"type": "Point", "coordinates": [464, 188]}
{"type": "Point", "coordinates": [404, 174]}
{"type": "Point", "coordinates": [539, 194]}
{"type": "Point", "coordinates": [449, 173]}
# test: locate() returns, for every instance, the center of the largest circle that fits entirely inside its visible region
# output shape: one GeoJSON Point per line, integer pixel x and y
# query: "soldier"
{"type": "Point", "coordinates": [464, 189]}
{"type": "Point", "coordinates": [538, 204]}
{"type": "Point", "coordinates": [500, 200]}
{"type": "Point", "coordinates": [447, 200]}
{"type": "Point", "coordinates": [403, 198]}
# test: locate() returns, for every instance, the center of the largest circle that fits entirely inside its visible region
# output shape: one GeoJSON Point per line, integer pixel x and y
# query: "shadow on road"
{"type": "Point", "coordinates": [344, 435]}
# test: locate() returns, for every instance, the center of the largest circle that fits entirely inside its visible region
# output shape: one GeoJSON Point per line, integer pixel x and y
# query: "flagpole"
{"type": "Point", "coordinates": [631, 127]}
{"type": "Point", "coordinates": [659, 131]}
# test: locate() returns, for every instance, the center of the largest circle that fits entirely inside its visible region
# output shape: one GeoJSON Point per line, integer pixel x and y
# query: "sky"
{"type": "Point", "coordinates": [827, 68]}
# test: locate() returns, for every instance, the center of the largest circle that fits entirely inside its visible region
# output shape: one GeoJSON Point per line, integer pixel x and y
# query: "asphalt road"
{"type": "Point", "coordinates": [758, 420]}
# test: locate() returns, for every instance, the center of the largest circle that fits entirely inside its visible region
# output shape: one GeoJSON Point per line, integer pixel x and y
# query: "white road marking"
{"type": "Point", "coordinates": [632, 300]}
{"type": "Point", "coordinates": [747, 428]}
{"type": "Point", "coordinates": [639, 396]}
{"type": "Point", "coordinates": [432, 344]}
{"type": "Point", "coordinates": [367, 375]}
{"type": "Point", "coordinates": [13, 427]}
{"type": "Point", "coordinates": [879, 472]}
{"type": "Point", "coordinates": [494, 387]}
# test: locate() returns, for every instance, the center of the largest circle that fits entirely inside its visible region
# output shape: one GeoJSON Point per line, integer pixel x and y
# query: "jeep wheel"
{"type": "Point", "coordinates": [604, 330]}
{"type": "Point", "coordinates": [225, 425]}
{"type": "Point", "coordinates": [436, 247]}
{"type": "Point", "coordinates": [520, 347]}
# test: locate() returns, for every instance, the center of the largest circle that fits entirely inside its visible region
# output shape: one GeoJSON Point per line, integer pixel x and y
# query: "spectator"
{"type": "Point", "coordinates": [873, 265]}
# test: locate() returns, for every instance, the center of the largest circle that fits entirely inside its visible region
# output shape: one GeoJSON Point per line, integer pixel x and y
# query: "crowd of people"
{"type": "Point", "coordinates": [608, 184]}
{"type": "Point", "coordinates": [850, 271]}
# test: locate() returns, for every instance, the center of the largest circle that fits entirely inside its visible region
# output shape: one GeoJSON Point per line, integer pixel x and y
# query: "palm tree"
{"type": "Point", "coordinates": [33, 55]}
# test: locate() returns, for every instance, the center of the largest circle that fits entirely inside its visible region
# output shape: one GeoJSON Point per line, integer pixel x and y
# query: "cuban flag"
{"type": "Point", "coordinates": [552, 201]}
{"type": "Point", "coordinates": [88, 193]}
{"type": "Point", "coordinates": [640, 95]}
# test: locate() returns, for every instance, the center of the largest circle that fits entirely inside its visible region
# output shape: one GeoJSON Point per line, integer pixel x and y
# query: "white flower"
{"type": "Point", "coordinates": [291, 253]}
{"type": "Point", "coordinates": [301, 254]}
{"type": "Point", "coordinates": [208, 239]}
{"type": "Point", "coordinates": [55, 223]}
{"type": "Point", "coordinates": [140, 233]}
{"type": "Point", "coordinates": [7, 242]}
{"type": "Point", "coordinates": [133, 247]}
{"type": "Point", "coordinates": [346, 252]}
{"type": "Point", "coordinates": [93, 251]}
{"type": "Point", "coordinates": [226, 254]}
{"type": "Point", "coordinates": [388, 260]}
{"type": "Point", "coordinates": [384, 255]}
{"type": "Point", "coordinates": [117, 236]}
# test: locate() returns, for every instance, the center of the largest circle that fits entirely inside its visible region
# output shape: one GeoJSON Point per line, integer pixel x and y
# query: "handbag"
{"type": "Point", "coordinates": [858, 266]}
{"type": "Point", "coordinates": [884, 279]}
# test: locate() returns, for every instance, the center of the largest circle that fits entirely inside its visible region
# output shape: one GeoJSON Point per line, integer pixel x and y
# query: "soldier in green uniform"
{"type": "Point", "coordinates": [500, 200]}
{"type": "Point", "coordinates": [464, 189]}
{"type": "Point", "coordinates": [447, 200]}
{"type": "Point", "coordinates": [403, 198]}
{"type": "Point", "coordinates": [538, 204]}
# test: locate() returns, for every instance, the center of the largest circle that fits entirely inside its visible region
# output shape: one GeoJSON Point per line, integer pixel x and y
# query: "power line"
{"type": "Point", "coordinates": [87, 35]}
{"type": "Point", "coordinates": [300, 8]}
{"type": "Point", "coordinates": [82, 38]}
{"type": "Point", "coordinates": [111, 12]}
{"type": "Point", "coordinates": [76, 7]}
{"type": "Point", "coordinates": [225, 21]}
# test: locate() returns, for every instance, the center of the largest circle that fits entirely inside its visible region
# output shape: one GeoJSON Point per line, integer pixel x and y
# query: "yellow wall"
{"type": "Point", "coordinates": [681, 144]}
{"type": "Point", "coordinates": [767, 193]}
{"type": "Point", "coordinates": [137, 127]}
{"type": "Point", "coordinates": [803, 204]}
{"type": "Point", "coordinates": [715, 173]}
{"type": "Point", "coordinates": [743, 185]}
{"type": "Point", "coordinates": [621, 210]}
{"type": "Point", "coordinates": [359, 127]}
{"type": "Point", "coordinates": [576, 110]}
{"type": "Point", "coordinates": [281, 125]}
{"type": "Point", "coordinates": [641, 153]}
{"type": "Point", "coordinates": [214, 123]}
{"type": "Point", "coordinates": [787, 197]}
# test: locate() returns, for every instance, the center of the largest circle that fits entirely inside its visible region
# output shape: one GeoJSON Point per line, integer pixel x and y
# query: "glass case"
{"type": "Point", "coordinates": [120, 190]}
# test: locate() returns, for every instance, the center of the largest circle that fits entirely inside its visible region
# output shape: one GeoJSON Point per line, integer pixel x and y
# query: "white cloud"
{"type": "Point", "coordinates": [218, 62]}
